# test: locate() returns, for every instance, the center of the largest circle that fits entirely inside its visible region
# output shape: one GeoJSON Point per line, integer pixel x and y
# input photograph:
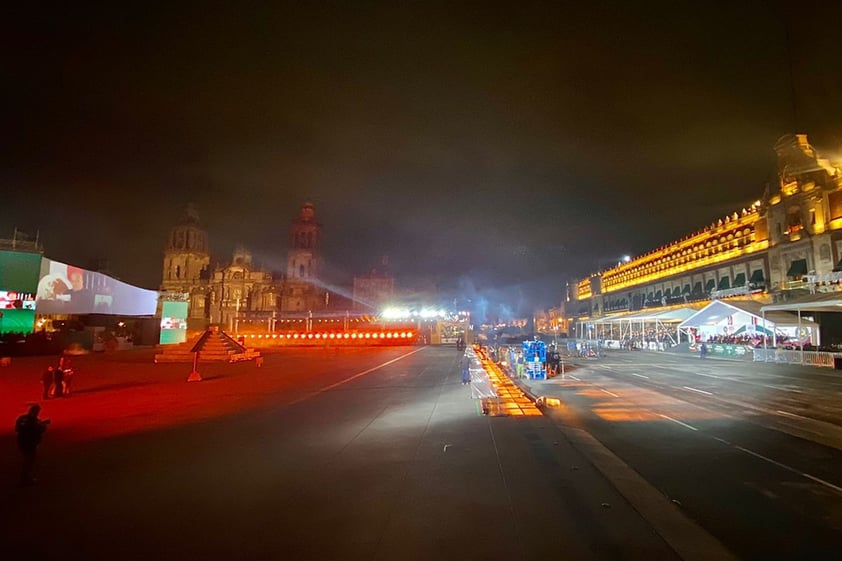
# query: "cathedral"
{"type": "Point", "coordinates": [240, 292]}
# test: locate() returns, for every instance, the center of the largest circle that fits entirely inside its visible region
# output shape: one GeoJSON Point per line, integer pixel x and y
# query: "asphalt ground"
{"type": "Point", "coordinates": [320, 454]}
{"type": "Point", "coordinates": [750, 451]}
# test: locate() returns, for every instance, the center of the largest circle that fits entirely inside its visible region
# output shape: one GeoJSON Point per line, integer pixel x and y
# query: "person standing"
{"type": "Point", "coordinates": [30, 430]}
{"type": "Point", "coordinates": [58, 382]}
{"type": "Point", "coordinates": [67, 374]}
{"type": "Point", "coordinates": [47, 381]}
{"type": "Point", "coordinates": [465, 365]}
{"type": "Point", "coordinates": [68, 379]}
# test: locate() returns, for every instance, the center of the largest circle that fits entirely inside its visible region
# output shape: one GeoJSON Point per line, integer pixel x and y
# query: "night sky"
{"type": "Point", "coordinates": [487, 149]}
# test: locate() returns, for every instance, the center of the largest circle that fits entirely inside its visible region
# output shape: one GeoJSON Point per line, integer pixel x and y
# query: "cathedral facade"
{"type": "Point", "coordinates": [240, 291]}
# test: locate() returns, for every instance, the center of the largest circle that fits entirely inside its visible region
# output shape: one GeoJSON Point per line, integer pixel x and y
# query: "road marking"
{"type": "Point", "coordinates": [791, 469]}
{"type": "Point", "coordinates": [354, 377]}
{"type": "Point", "coordinates": [609, 393]}
{"type": "Point", "coordinates": [783, 389]}
{"type": "Point", "coordinates": [788, 414]}
{"type": "Point", "coordinates": [639, 375]}
{"type": "Point", "coordinates": [736, 381]}
{"type": "Point", "coordinates": [722, 440]}
{"type": "Point", "coordinates": [685, 425]}
{"type": "Point", "coordinates": [823, 482]}
{"type": "Point", "coordinates": [695, 390]}
{"type": "Point", "coordinates": [572, 377]}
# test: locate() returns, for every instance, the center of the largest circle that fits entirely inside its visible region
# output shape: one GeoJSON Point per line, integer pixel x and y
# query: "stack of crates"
{"type": "Point", "coordinates": [535, 359]}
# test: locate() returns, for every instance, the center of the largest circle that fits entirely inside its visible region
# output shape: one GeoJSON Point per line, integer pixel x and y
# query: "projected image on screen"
{"type": "Point", "coordinates": [173, 322]}
{"type": "Point", "coordinates": [65, 289]}
{"type": "Point", "coordinates": [16, 300]}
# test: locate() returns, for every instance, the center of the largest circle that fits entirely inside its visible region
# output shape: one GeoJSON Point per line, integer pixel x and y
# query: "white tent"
{"type": "Point", "coordinates": [827, 302]}
{"type": "Point", "coordinates": [739, 315]}
{"type": "Point", "coordinates": [620, 326]}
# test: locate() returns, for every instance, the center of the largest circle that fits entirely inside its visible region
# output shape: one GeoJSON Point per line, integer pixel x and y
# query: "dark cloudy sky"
{"type": "Point", "coordinates": [480, 145]}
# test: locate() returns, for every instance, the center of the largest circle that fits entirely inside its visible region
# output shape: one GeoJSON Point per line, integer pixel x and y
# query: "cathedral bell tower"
{"type": "Point", "coordinates": [186, 255]}
{"type": "Point", "coordinates": [303, 257]}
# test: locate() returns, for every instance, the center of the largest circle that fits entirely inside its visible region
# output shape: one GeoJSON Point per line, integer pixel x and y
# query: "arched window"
{"type": "Point", "coordinates": [301, 271]}
{"type": "Point", "coordinates": [178, 271]}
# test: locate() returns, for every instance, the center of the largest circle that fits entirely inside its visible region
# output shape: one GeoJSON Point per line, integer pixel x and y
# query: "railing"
{"type": "Point", "coordinates": [734, 291]}
{"type": "Point", "coordinates": [794, 284]}
{"type": "Point", "coordinates": [833, 277]}
{"type": "Point", "coordinates": [788, 356]}
{"type": "Point", "coordinates": [826, 282]}
{"type": "Point", "coordinates": [22, 245]}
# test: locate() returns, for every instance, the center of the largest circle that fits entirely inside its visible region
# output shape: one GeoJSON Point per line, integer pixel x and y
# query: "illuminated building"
{"type": "Point", "coordinates": [241, 291]}
{"type": "Point", "coordinates": [375, 290]}
{"type": "Point", "coordinates": [788, 242]}
{"type": "Point", "coordinates": [186, 261]}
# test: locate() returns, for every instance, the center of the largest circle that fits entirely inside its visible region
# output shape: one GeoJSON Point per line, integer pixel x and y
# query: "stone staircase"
{"type": "Point", "coordinates": [214, 345]}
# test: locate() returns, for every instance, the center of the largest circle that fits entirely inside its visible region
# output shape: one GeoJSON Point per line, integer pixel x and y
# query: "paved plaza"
{"type": "Point", "coordinates": [382, 454]}
{"type": "Point", "coordinates": [320, 454]}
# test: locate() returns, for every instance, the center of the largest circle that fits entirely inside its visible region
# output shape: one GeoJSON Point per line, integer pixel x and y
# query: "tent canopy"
{"type": "Point", "coordinates": [718, 311]}
{"type": "Point", "coordinates": [827, 302]}
{"type": "Point", "coordinates": [668, 316]}
{"type": "Point", "coordinates": [757, 329]}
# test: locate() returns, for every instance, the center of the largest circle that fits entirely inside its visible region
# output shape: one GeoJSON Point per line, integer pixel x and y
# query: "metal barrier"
{"type": "Point", "coordinates": [792, 356]}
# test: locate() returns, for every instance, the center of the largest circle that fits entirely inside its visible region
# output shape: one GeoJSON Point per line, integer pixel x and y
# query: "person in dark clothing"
{"type": "Point", "coordinates": [68, 379]}
{"type": "Point", "coordinates": [30, 430]}
{"type": "Point", "coordinates": [465, 365]}
{"type": "Point", "coordinates": [67, 374]}
{"type": "Point", "coordinates": [553, 360]}
{"type": "Point", "coordinates": [58, 381]}
{"type": "Point", "coordinates": [47, 381]}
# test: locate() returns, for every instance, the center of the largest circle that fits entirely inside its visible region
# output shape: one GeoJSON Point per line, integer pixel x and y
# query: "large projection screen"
{"type": "Point", "coordinates": [18, 282]}
{"type": "Point", "coordinates": [65, 289]}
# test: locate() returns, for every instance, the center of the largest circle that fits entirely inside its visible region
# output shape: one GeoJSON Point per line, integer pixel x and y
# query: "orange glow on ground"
{"type": "Point", "coordinates": [510, 400]}
{"type": "Point", "coordinates": [635, 404]}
